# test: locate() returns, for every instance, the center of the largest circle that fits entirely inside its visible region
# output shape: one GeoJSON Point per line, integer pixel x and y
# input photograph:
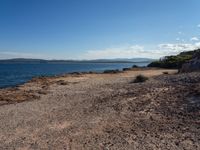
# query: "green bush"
{"type": "Point", "coordinates": [174, 62]}
{"type": "Point", "coordinates": [140, 78]}
{"type": "Point", "coordinates": [134, 66]}
{"type": "Point", "coordinates": [112, 71]}
{"type": "Point", "coordinates": [165, 72]}
{"type": "Point", "coordinates": [126, 69]}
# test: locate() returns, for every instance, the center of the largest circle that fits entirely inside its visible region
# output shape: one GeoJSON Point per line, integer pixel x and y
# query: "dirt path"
{"type": "Point", "coordinates": [100, 111]}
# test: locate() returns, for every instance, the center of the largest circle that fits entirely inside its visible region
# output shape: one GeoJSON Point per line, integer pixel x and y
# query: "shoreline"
{"type": "Point", "coordinates": [111, 71]}
{"type": "Point", "coordinates": [8, 94]}
{"type": "Point", "coordinates": [73, 72]}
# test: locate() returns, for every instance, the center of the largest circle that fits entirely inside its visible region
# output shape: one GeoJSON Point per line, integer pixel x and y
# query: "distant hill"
{"type": "Point", "coordinates": [174, 62]}
{"type": "Point", "coordinates": [23, 60]}
{"type": "Point", "coordinates": [38, 61]}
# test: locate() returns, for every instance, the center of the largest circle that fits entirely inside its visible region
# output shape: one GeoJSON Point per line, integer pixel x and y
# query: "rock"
{"type": "Point", "coordinates": [193, 64]}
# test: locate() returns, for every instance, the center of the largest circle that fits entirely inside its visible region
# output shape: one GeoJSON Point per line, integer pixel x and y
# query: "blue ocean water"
{"type": "Point", "coordinates": [15, 74]}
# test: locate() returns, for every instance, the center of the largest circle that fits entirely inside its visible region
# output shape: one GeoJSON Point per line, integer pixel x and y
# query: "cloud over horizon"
{"type": "Point", "coordinates": [136, 51]}
{"type": "Point", "coordinates": [194, 39]}
{"type": "Point", "coordinates": [127, 51]}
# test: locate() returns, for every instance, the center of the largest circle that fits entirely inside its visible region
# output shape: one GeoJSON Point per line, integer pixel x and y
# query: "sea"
{"type": "Point", "coordinates": [16, 74]}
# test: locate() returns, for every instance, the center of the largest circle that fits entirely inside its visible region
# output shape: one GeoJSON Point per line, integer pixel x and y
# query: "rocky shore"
{"type": "Point", "coordinates": [103, 111]}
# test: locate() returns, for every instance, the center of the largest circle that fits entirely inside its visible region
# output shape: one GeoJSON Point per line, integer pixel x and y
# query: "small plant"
{"type": "Point", "coordinates": [140, 78]}
{"type": "Point", "coordinates": [126, 69]}
{"type": "Point", "coordinates": [111, 71]}
{"type": "Point", "coordinates": [62, 82]}
{"type": "Point", "coordinates": [165, 72]}
{"type": "Point", "coordinates": [134, 66]}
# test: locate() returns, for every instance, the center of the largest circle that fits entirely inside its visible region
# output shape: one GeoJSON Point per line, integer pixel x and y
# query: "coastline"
{"type": "Point", "coordinates": [17, 74]}
{"type": "Point", "coordinates": [19, 93]}
{"type": "Point", "coordinates": [76, 73]}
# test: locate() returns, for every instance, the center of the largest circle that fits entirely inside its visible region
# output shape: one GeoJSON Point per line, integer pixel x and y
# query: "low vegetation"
{"type": "Point", "coordinates": [140, 78]}
{"type": "Point", "coordinates": [173, 62]}
{"type": "Point", "coordinates": [126, 69]}
{"type": "Point", "coordinates": [134, 66]}
{"type": "Point", "coordinates": [165, 72]}
{"type": "Point", "coordinates": [112, 71]}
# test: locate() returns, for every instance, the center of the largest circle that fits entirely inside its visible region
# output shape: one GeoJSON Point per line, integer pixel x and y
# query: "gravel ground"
{"type": "Point", "coordinates": [103, 111]}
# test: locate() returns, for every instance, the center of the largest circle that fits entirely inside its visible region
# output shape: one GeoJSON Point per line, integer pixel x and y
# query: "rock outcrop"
{"type": "Point", "coordinates": [193, 64]}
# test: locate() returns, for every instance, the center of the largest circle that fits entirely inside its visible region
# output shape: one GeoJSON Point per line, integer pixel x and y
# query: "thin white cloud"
{"type": "Point", "coordinates": [180, 32]}
{"type": "Point", "coordinates": [136, 51]}
{"type": "Point", "coordinates": [183, 40]}
{"type": "Point", "coordinates": [198, 25]}
{"type": "Point", "coordinates": [194, 39]}
{"type": "Point", "coordinates": [180, 40]}
{"type": "Point", "coordinates": [179, 47]}
{"type": "Point", "coordinates": [176, 47]}
{"type": "Point", "coordinates": [127, 51]}
{"type": "Point", "coordinates": [117, 52]}
{"type": "Point", "coordinates": [197, 45]}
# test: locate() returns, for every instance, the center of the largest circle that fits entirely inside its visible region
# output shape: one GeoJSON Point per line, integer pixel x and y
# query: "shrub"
{"type": "Point", "coordinates": [134, 66]}
{"type": "Point", "coordinates": [140, 78]}
{"type": "Point", "coordinates": [62, 82]}
{"type": "Point", "coordinates": [111, 71]}
{"type": "Point", "coordinates": [165, 72]}
{"type": "Point", "coordinates": [126, 69]}
{"type": "Point", "coordinates": [76, 73]}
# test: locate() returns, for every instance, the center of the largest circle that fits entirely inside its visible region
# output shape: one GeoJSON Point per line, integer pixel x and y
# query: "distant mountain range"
{"type": "Point", "coordinates": [38, 61]}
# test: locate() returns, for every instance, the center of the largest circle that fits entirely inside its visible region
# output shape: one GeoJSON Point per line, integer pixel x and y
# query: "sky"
{"type": "Point", "coordinates": [96, 29]}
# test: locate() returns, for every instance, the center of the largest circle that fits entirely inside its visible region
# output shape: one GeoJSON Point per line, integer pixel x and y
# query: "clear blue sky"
{"type": "Point", "coordinates": [90, 29]}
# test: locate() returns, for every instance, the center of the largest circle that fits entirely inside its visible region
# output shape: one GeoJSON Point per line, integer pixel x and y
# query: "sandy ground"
{"type": "Point", "coordinates": [103, 111]}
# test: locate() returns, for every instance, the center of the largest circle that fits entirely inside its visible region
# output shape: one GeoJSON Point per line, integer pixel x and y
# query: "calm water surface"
{"type": "Point", "coordinates": [15, 74]}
